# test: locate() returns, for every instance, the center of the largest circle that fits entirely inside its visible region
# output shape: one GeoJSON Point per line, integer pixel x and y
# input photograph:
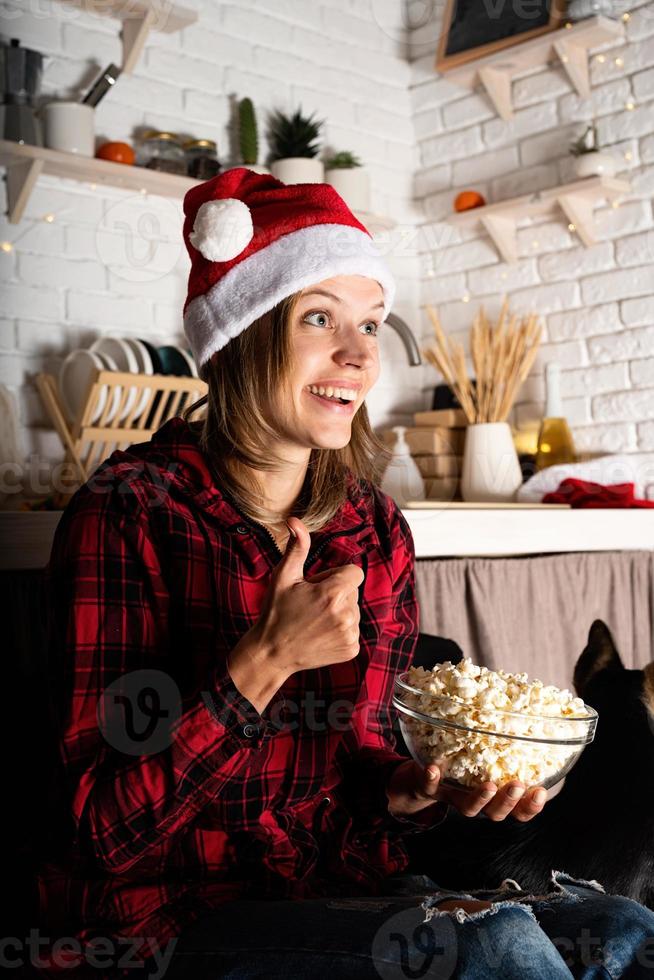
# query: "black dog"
{"type": "Point", "coordinates": [599, 826]}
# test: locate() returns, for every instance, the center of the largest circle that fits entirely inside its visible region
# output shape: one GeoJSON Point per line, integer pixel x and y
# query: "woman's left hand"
{"type": "Point", "coordinates": [412, 788]}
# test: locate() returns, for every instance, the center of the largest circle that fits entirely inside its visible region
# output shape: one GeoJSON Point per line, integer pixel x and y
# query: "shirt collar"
{"type": "Point", "coordinates": [176, 442]}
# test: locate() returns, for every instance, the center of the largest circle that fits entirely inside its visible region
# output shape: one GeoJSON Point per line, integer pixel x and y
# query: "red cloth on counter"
{"type": "Point", "coordinates": [583, 493]}
{"type": "Point", "coordinates": [154, 568]}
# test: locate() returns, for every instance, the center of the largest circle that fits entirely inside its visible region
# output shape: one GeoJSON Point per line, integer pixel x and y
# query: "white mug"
{"type": "Point", "coordinates": [69, 126]}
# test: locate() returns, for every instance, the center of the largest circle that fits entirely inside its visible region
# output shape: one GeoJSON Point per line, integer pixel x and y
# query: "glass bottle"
{"type": "Point", "coordinates": [161, 151]}
{"type": "Point", "coordinates": [555, 443]}
{"type": "Point", "coordinates": [201, 159]}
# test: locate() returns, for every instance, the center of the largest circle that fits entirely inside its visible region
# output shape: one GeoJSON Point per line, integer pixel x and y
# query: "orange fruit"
{"type": "Point", "coordinates": [467, 200]}
{"type": "Point", "coordinates": [117, 152]}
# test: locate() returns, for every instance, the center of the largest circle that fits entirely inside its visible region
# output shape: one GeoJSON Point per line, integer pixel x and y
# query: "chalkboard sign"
{"type": "Point", "coordinates": [474, 28]}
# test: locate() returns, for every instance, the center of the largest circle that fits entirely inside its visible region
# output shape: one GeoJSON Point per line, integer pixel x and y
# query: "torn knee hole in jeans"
{"type": "Point", "coordinates": [462, 911]}
{"type": "Point", "coordinates": [489, 901]}
{"type": "Point", "coordinates": [559, 879]}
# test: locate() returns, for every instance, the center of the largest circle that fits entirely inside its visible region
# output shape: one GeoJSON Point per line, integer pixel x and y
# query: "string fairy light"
{"type": "Point", "coordinates": [7, 246]}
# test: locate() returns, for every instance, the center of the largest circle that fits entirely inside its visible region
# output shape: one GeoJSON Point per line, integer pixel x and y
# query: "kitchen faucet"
{"type": "Point", "coordinates": [403, 330]}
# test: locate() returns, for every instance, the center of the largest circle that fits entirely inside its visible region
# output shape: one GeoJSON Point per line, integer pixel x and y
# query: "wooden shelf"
{"type": "Point", "coordinates": [139, 17]}
{"type": "Point", "coordinates": [569, 45]}
{"type": "Point", "coordinates": [575, 200]}
{"type": "Point", "coordinates": [26, 163]}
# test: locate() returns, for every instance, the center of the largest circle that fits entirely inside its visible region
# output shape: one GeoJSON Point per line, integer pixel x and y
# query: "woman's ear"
{"type": "Point", "coordinates": [599, 654]}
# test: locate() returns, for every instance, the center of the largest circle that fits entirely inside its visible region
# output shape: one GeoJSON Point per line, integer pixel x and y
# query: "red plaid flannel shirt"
{"type": "Point", "coordinates": [154, 569]}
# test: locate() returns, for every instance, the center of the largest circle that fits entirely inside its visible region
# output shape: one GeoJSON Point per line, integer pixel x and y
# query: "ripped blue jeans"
{"type": "Point", "coordinates": [573, 930]}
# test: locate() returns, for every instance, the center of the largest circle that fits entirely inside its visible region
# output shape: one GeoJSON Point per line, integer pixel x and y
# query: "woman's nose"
{"type": "Point", "coordinates": [355, 348]}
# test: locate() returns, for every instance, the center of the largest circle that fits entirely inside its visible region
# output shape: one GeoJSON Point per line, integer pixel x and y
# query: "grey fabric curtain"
{"type": "Point", "coordinates": [533, 613]}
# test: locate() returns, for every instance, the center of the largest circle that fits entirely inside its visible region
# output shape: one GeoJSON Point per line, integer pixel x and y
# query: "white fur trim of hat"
{"type": "Point", "coordinates": [287, 265]}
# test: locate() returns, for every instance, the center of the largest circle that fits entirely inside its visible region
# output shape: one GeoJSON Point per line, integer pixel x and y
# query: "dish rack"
{"type": "Point", "coordinates": [120, 408]}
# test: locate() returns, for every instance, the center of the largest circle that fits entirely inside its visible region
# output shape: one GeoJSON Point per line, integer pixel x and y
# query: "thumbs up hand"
{"type": "Point", "coordinates": [310, 623]}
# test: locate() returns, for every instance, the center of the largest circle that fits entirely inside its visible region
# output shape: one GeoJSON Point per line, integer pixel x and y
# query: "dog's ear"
{"type": "Point", "coordinates": [648, 687]}
{"type": "Point", "coordinates": [599, 654]}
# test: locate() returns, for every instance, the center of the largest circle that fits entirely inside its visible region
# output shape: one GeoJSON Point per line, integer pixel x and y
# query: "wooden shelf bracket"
{"type": "Point", "coordinates": [21, 178]}
{"type": "Point", "coordinates": [570, 45]}
{"type": "Point", "coordinates": [138, 18]}
{"type": "Point", "coordinates": [502, 229]}
{"type": "Point", "coordinates": [497, 82]}
{"type": "Point", "coordinates": [578, 209]}
{"type": "Point", "coordinates": [133, 34]}
{"type": "Point", "coordinates": [577, 202]}
{"type": "Point", "coordinates": [574, 59]}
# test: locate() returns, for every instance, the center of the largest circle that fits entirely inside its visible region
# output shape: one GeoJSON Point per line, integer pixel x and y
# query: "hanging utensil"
{"type": "Point", "coordinates": [102, 85]}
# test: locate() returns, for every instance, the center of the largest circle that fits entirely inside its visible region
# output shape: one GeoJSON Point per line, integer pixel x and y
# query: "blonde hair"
{"type": "Point", "coordinates": [235, 432]}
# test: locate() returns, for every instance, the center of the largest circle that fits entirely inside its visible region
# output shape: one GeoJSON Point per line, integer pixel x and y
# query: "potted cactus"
{"type": "Point", "coordinates": [345, 172]}
{"type": "Point", "coordinates": [294, 148]}
{"type": "Point", "coordinates": [590, 161]}
{"type": "Point", "coordinates": [248, 137]}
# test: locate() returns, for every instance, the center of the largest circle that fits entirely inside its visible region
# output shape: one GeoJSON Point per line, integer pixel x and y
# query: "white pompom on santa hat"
{"type": "Point", "coordinates": [222, 229]}
{"type": "Point", "coordinates": [254, 240]}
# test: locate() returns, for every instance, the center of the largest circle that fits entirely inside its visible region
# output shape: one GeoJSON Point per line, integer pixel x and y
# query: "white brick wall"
{"type": "Point", "coordinates": [597, 304]}
{"type": "Point", "coordinates": [114, 261]}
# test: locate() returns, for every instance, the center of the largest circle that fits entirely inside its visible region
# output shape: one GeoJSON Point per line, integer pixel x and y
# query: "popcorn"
{"type": "Point", "coordinates": [476, 707]}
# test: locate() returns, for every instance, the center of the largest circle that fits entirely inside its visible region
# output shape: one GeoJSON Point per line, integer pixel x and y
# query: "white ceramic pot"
{"type": "Point", "coordinates": [595, 164]}
{"type": "Point", "coordinates": [491, 470]}
{"type": "Point", "coordinates": [353, 184]}
{"type": "Point", "coordinates": [70, 127]}
{"type": "Point", "coordinates": [299, 170]}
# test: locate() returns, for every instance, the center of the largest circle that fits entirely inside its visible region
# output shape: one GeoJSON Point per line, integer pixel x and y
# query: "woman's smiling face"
{"type": "Point", "coordinates": [335, 360]}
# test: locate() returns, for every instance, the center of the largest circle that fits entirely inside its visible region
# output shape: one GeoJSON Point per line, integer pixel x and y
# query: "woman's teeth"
{"type": "Point", "coordinates": [345, 394]}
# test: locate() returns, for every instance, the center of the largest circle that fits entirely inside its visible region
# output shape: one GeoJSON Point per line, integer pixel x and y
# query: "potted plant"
{"type": "Point", "coordinates": [502, 356]}
{"type": "Point", "coordinates": [591, 162]}
{"type": "Point", "coordinates": [344, 171]}
{"type": "Point", "coordinates": [248, 137]}
{"type": "Point", "coordinates": [294, 148]}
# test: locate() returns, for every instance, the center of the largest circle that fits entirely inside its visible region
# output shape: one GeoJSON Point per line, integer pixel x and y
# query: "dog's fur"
{"type": "Point", "coordinates": [599, 826]}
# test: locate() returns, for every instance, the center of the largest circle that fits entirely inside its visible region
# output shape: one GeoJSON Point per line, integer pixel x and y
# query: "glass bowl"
{"type": "Point", "coordinates": [495, 745]}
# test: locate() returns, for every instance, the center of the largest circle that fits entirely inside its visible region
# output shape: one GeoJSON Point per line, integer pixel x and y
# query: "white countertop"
{"type": "Point", "coordinates": [458, 530]}
{"type": "Point", "coordinates": [439, 531]}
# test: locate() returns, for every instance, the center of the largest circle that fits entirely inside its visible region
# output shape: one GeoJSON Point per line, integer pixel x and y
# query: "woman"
{"type": "Point", "coordinates": [231, 603]}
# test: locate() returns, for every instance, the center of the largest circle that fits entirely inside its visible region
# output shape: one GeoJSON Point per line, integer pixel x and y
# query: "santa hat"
{"type": "Point", "coordinates": [254, 240]}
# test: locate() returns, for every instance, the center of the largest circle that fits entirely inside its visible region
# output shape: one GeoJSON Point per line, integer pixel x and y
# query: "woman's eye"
{"type": "Point", "coordinates": [324, 316]}
{"type": "Point", "coordinates": [326, 319]}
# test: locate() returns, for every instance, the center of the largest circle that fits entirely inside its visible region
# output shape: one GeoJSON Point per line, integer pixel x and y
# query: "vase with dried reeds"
{"type": "Point", "coordinates": [502, 356]}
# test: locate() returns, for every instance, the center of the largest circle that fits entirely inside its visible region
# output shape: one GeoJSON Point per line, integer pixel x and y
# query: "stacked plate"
{"type": "Point", "coordinates": [125, 354]}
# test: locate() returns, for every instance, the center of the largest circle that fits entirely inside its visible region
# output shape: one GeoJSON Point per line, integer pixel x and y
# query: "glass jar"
{"type": "Point", "coordinates": [201, 160]}
{"type": "Point", "coordinates": [161, 151]}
